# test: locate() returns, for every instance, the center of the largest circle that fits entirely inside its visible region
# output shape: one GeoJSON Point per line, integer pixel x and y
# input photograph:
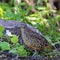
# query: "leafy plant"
{"type": "Point", "coordinates": [1, 12]}
{"type": "Point", "coordinates": [14, 39]}
{"type": "Point", "coordinates": [4, 46]}
{"type": "Point", "coordinates": [1, 34]}
{"type": "Point", "coordinates": [1, 28]}
{"type": "Point", "coordinates": [1, 31]}
{"type": "Point", "coordinates": [43, 20]}
{"type": "Point", "coordinates": [21, 51]}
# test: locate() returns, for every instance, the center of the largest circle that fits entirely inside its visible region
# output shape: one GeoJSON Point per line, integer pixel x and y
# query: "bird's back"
{"type": "Point", "coordinates": [33, 40]}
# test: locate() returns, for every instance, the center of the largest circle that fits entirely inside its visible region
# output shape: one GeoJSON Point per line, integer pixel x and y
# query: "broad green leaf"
{"type": "Point", "coordinates": [4, 46]}
{"type": "Point", "coordinates": [21, 51]}
{"type": "Point", "coordinates": [14, 39]}
{"type": "Point", "coordinates": [40, 8]}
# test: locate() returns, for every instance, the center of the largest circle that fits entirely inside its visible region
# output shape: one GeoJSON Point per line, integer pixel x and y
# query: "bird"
{"type": "Point", "coordinates": [33, 38]}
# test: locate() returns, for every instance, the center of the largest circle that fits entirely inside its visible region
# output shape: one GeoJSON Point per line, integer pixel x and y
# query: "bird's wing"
{"type": "Point", "coordinates": [38, 37]}
{"type": "Point", "coordinates": [34, 29]}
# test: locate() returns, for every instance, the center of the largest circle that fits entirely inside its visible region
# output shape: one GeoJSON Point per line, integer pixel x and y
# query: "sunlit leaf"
{"type": "Point", "coordinates": [1, 28]}
{"type": "Point", "coordinates": [4, 46]}
{"type": "Point", "coordinates": [14, 39]}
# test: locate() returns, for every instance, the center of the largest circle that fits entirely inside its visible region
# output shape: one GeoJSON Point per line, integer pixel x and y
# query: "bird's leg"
{"type": "Point", "coordinates": [35, 54]}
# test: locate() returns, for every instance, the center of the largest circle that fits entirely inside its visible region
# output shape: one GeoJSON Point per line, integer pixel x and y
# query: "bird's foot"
{"type": "Point", "coordinates": [35, 55]}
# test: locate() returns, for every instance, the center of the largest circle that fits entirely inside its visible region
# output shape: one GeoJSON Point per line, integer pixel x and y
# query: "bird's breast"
{"type": "Point", "coordinates": [25, 38]}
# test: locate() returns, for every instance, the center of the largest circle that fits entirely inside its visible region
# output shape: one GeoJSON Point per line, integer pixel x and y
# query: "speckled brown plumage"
{"type": "Point", "coordinates": [32, 39]}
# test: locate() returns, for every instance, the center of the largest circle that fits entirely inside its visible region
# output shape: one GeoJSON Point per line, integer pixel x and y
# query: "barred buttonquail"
{"type": "Point", "coordinates": [33, 39]}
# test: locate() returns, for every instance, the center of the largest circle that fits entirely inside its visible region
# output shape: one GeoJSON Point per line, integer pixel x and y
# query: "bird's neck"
{"type": "Point", "coordinates": [22, 30]}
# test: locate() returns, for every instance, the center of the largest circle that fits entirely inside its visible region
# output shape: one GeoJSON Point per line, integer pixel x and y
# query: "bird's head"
{"type": "Point", "coordinates": [22, 25]}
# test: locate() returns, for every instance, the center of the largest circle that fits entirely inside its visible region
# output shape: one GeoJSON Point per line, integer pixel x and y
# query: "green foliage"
{"type": "Point", "coordinates": [19, 15]}
{"type": "Point", "coordinates": [1, 31]}
{"type": "Point", "coordinates": [5, 6]}
{"type": "Point", "coordinates": [1, 28]}
{"type": "Point", "coordinates": [1, 34]}
{"type": "Point", "coordinates": [4, 46]}
{"type": "Point", "coordinates": [21, 51]}
{"type": "Point", "coordinates": [1, 12]}
{"type": "Point", "coordinates": [14, 39]}
{"type": "Point", "coordinates": [42, 20]}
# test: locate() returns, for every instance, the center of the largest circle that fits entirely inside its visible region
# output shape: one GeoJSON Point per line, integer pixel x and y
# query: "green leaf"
{"type": "Point", "coordinates": [21, 51]}
{"type": "Point", "coordinates": [1, 28]}
{"type": "Point", "coordinates": [1, 34]}
{"type": "Point", "coordinates": [13, 51]}
{"type": "Point", "coordinates": [14, 39]}
{"type": "Point", "coordinates": [4, 46]}
{"type": "Point", "coordinates": [40, 8]}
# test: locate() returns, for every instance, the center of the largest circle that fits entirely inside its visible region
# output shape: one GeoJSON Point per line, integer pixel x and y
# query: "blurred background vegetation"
{"type": "Point", "coordinates": [44, 19]}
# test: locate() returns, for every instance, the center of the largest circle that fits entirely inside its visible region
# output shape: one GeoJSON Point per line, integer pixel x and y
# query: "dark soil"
{"type": "Point", "coordinates": [15, 57]}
